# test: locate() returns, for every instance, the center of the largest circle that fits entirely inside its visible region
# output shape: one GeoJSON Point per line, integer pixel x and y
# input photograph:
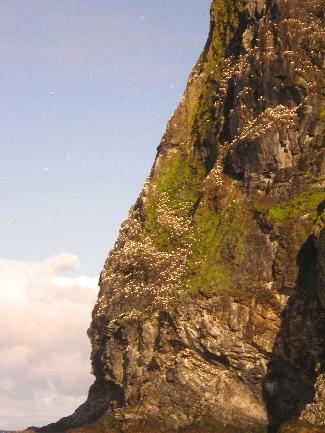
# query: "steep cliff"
{"type": "Point", "coordinates": [211, 310]}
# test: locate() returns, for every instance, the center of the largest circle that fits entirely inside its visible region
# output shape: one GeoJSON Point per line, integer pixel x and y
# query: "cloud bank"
{"type": "Point", "coordinates": [44, 362]}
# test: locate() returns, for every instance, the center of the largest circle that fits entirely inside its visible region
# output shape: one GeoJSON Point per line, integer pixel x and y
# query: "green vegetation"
{"type": "Point", "coordinates": [180, 177]}
{"type": "Point", "coordinates": [305, 203]}
{"type": "Point", "coordinates": [216, 237]}
{"type": "Point", "coordinates": [177, 210]}
{"type": "Point", "coordinates": [220, 241]}
{"type": "Point", "coordinates": [160, 233]}
{"type": "Point", "coordinates": [219, 245]}
{"type": "Point", "coordinates": [178, 180]}
{"type": "Point", "coordinates": [202, 114]}
{"type": "Point", "coordinates": [177, 189]}
{"type": "Point", "coordinates": [202, 130]}
{"type": "Point", "coordinates": [322, 115]}
{"type": "Point", "coordinates": [294, 218]}
{"type": "Point", "coordinates": [225, 13]}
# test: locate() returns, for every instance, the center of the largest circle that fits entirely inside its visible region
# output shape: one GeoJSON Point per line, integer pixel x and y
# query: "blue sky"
{"type": "Point", "coordinates": [87, 88]}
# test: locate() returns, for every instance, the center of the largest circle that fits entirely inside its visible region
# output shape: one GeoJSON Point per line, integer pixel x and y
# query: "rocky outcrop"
{"type": "Point", "coordinates": [211, 310]}
{"type": "Point", "coordinates": [314, 413]}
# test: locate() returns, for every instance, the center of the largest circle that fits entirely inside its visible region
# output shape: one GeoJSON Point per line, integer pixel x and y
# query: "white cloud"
{"type": "Point", "coordinates": [44, 363]}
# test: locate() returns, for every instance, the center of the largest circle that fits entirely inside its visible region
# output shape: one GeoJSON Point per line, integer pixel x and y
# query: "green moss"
{"type": "Point", "coordinates": [305, 203]}
{"type": "Point", "coordinates": [322, 115]}
{"type": "Point", "coordinates": [180, 177]}
{"type": "Point", "coordinates": [294, 218]}
{"type": "Point", "coordinates": [225, 14]}
{"type": "Point", "coordinates": [219, 246]}
{"type": "Point", "coordinates": [177, 188]}
{"type": "Point", "coordinates": [161, 234]}
{"type": "Point", "coordinates": [181, 174]}
{"type": "Point", "coordinates": [202, 113]}
{"type": "Point", "coordinates": [219, 240]}
{"type": "Point", "coordinates": [202, 124]}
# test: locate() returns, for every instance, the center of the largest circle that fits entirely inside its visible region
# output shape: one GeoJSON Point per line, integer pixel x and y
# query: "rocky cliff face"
{"type": "Point", "coordinates": [211, 310]}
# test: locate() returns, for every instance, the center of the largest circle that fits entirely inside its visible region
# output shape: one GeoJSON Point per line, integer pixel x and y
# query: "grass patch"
{"type": "Point", "coordinates": [180, 177]}
{"type": "Point", "coordinates": [219, 245]}
{"type": "Point", "coordinates": [167, 211]}
{"type": "Point", "coordinates": [305, 203]}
